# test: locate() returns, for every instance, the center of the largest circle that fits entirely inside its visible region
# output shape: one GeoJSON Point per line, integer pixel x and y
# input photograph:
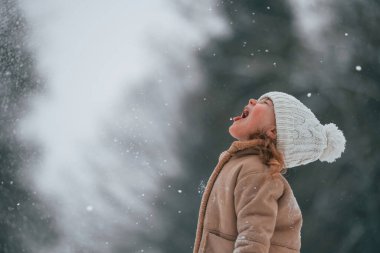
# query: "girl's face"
{"type": "Point", "coordinates": [257, 115]}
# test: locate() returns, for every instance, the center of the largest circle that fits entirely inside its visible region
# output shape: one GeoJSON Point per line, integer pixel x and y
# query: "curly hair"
{"type": "Point", "coordinates": [269, 154]}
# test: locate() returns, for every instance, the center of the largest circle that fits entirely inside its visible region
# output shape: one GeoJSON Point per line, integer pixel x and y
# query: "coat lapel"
{"type": "Point", "coordinates": [224, 157]}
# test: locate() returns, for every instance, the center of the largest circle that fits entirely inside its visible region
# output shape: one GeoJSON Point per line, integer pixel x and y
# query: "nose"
{"type": "Point", "coordinates": [252, 101]}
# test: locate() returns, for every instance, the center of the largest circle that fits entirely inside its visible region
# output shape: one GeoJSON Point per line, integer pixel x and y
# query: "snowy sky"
{"type": "Point", "coordinates": [101, 165]}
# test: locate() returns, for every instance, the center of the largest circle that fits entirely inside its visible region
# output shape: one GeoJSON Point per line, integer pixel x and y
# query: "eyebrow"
{"type": "Point", "coordinates": [267, 99]}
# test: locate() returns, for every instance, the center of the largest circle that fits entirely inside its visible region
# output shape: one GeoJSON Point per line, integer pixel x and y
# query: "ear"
{"type": "Point", "coordinates": [272, 133]}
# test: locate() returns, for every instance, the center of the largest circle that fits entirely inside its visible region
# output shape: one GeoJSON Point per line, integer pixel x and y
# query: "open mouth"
{"type": "Point", "coordinates": [244, 114]}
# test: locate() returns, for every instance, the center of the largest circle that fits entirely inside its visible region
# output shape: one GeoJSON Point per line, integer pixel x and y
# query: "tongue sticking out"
{"type": "Point", "coordinates": [237, 118]}
{"type": "Point", "coordinates": [242, 116]}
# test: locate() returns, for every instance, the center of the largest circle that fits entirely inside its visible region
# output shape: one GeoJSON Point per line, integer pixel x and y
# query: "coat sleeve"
{"type": "Point", "coordinates": [256, 206]}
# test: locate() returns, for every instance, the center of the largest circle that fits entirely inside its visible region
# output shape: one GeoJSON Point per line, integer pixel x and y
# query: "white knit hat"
{"type": "Point", "coordinates": [300, 136]}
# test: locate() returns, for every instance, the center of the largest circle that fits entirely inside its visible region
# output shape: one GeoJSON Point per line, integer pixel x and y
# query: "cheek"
{"type": "Point", "coordinates": [258, 113]}
{"type": "Point", "coordinates": [252, 122]}
{"type": "Point", "coordinates": [260, 116]}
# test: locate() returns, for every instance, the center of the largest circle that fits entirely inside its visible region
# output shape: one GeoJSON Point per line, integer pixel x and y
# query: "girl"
{"type": "Point", "coordinates": [247, 205]}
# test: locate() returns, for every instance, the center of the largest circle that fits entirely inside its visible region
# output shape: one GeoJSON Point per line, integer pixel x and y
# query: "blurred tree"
{"type": "Point", "coordinates": [338, 199]}
{"type": "Point", "coordinates": [253, 60]}
{"type": "Point", "coordinates": [335, 73]}
{"type": "Point", "coordinates": [22, 217]}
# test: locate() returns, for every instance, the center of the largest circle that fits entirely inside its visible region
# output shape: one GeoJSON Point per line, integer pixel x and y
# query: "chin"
{"type": "Point", "coordinates": [233, 134]}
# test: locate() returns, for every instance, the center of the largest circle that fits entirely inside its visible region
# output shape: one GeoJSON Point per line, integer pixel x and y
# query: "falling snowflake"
{"type": "Point", "coordinates": [201, 187]}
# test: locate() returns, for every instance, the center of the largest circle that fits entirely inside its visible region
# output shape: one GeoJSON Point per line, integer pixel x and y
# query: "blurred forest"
{"type": "Point", "coordinates": [336, 73]}
{"type": "Point", "coordinates": [20, 212]}
{"type": "Point", "coordinates": [339, 201]}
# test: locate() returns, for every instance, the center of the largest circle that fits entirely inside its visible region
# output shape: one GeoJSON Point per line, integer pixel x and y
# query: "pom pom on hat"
{"type": "Point", "coordinates": [335, 143]}
{"type": "Point", "coordinates": [300, 136]}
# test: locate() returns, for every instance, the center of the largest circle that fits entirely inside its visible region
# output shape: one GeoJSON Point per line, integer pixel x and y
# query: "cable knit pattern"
{"type": "Point", "coordinates": [300, 136]}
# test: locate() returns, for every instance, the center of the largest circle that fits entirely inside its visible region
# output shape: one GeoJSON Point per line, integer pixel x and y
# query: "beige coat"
{"type": "Point", "coordinates": [244, 211]}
